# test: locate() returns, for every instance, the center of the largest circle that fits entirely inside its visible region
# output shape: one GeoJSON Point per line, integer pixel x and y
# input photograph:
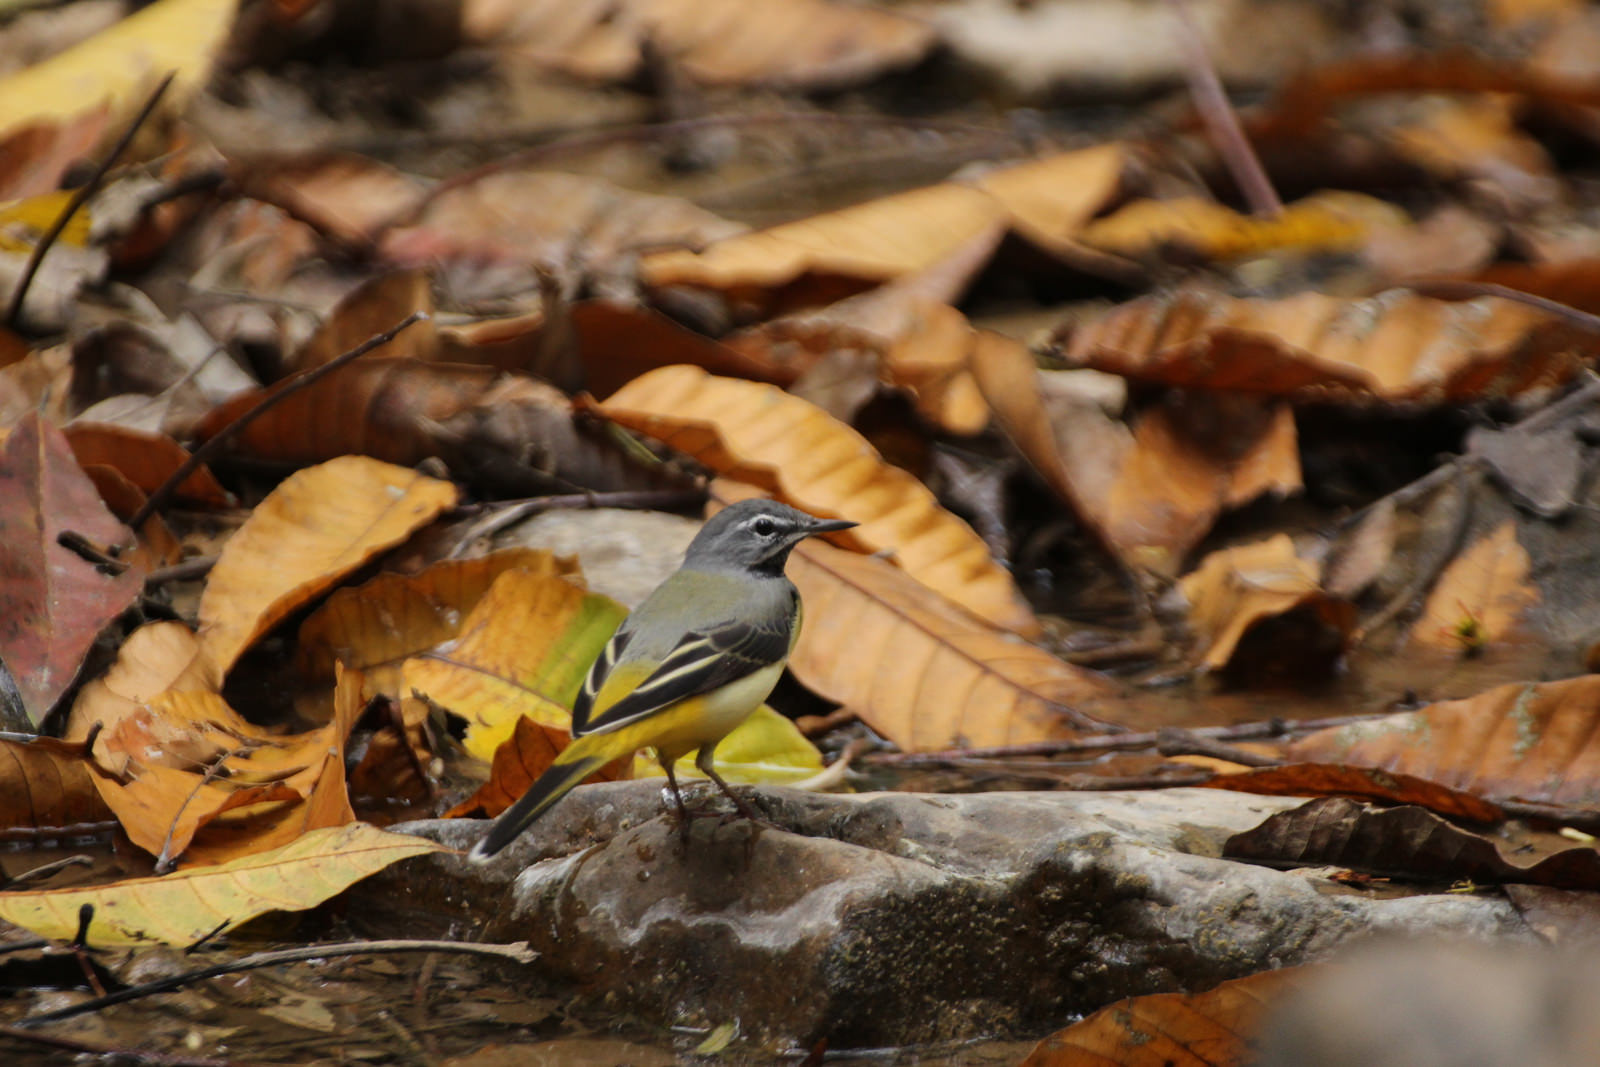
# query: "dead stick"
{"type": "Point", "coordinates": [187, 571]}
{"type": "Point", "coordinates": [1171, 741]}
{"type": "Point", "coordinates": [509, 513]}
{"type": "Point", "coordinates": [1220, 120]}
{"type": "Point", "coordinates": [1468, 290]}
{"type": "Point", "coordinates": [79, 198]}
{"type": "Point", "coordinates": [273, 397]}
{"type": "Point", "coordinates": [516, 951]}
{"type": "Point", "coordinates": [1117, 742]}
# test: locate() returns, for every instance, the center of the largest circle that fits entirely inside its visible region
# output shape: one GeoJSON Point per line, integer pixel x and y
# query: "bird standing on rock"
{"type": "Point", "coordinates": [690, 664]}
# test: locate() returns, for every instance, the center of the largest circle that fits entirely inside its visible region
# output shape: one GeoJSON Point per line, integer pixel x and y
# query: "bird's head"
{"type": "Point", "coordinates": [754, 535]}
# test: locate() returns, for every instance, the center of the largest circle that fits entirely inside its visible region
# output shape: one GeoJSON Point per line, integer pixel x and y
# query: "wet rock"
{"type": "Point", "coordinates": [895, 918]}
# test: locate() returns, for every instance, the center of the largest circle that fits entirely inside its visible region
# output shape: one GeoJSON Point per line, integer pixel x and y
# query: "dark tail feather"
{"type": "Point", "coordinates": [552, 785]}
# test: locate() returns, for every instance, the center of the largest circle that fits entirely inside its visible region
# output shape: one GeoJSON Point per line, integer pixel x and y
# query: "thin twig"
{"type": "Point", "coordinates": [1171, 741]}
{"type": "Point", "coordinates": [1099, 743]}
{"type": "Point", "coordinates": [516, 951]}
{"type": "Point", "coordinates": [1452, 290]}
{"type": "Point", "coordinates": [187, 571]}
{"type": "Point", "coordinates": [273, 397]}
{"type": "Point", "coordinates": [86, 550]}
{"type": "Point", "coordinates": [1220, 120]}
{"type": "Point", "coordinates": [45, 870]}
{"type": "Point", "coordinates": [80, 197]}
{"type": "Point", "coordinates": [112, 1054]}
{"type": "Point", "coordinates": [165, 861]}
{"type": "Point", "coordinates": [510, 513]}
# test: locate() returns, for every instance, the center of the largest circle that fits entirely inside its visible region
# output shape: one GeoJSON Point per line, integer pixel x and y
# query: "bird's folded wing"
{"type": "Point", "coordinates": [701, 663]}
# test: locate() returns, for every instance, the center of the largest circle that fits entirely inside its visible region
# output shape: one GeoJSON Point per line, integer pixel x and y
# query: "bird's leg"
{"type": "Point", "coordinates": [677, 795]}
{"type": "Point", "coordinates": [703, 761]}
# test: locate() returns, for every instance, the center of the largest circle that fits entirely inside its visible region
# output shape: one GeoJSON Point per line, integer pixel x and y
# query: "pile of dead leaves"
{"type": "Point", "coordinates": [264, 413]}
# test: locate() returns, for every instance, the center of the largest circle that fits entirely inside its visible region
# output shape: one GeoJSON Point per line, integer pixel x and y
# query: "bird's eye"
{"type": "Point", "coordinates": [764, 527]}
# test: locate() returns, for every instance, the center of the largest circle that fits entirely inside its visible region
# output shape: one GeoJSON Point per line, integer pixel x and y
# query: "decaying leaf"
{"type": "Point", "coordinates": [181, 908]}
{"type": "Point", "coordinates": [1480, 596]}
{"type": "Point", "coordinates": [1395, 346]}
{"type": "Point", "coordinates": [157, 658]}
{"type": "Point", "coordinates": [319, 525]}
{"type": "Point", "coordinates": [1237, 588]}
{"type": "Point", "coordinates": [1153, 492]}
{"type": "Point", "coordinates": [1407, 841]}
{"type": "Point", "coordinates": [1537, 742]}
{"type": "Point", "coordinates": [759, 434]}
{"type": "Point", "coordinates": [1362, 783]}
{"type": "Point", "coordinates": [372, 307]}
{"type": "Point", "coordinates": [53, 600]}
{"type": "Point", "coordinates": [1212, 1029]}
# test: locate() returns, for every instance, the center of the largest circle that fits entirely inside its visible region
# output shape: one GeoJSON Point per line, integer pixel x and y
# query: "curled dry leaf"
{"type": "Point", "coordinates": [921, 343]}
{"type": "Point", "coordinates": [374, 627]}
{"type": "Point", "coordinates": [1535, 742]}
{"type": "Point", "coordinates": [53, 600]}
{"type": "Point", "coordinates": [1363, 783]}
{"type": "Point", "coordinates": [920, 672]}
{"type": "Point", "coordinates": [1212, 1029]}
{"type": "Point", "coordinates": [46, 783]}
{"type": "Point", "coordinates": [1236, 589]}
{"type": "Point", "coordinates": [1408, 842]}
{"type": "Point", "coordinates": [182, 908]}
{"type": "Point", "coordinates": [146, 459]}
{"type": "Point", "coordinates": [157, 658]}
{"type": "Point", "coordinates": [1046, 201]}
{"type": "Point", "coordinates": [163, 805]}
{"type": "Point", "coordinates": [800, 44]}
{"type": "Point", "coordinates": [523, 652]}
{"type": "Point", "coordinates": [1481, 596]}
{"type": "Point", "coordinates": [1396, 346]}
{"type": "Point", "coordinates": [1152, 493]}
{"type": "Point", "coordinates": [759, 434]}
{"type": "Point", "coordinates": [320, 524]}
{"type": "Point", "coordinates": [156, 547]}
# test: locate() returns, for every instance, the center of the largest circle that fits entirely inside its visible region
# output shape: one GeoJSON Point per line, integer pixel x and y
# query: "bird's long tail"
{"type": "Point", "coordinates": [575, 763]}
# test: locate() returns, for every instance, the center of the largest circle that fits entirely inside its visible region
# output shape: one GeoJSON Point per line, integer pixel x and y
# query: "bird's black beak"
{"type": "Point", "coordinates": [821, 526]}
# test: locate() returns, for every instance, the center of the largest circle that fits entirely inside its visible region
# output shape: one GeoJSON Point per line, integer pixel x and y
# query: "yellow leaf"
{"type": "Point", "coordinates": [118, 67]}
{"type": "Point", "coordinates": [760, 434]}
{"type": "Point", "coordinates": [1328, 221]}
{"type": "Point", "coordinates": [524, 650]}
{"type": "Point", "coordinates": [181, 908]}
{"type": "Point", "coordinates": [375, 626]}
{"type": "Point", "coordinates": [23, 222]}
{"type": "Point", "coordinates": [319, 525]}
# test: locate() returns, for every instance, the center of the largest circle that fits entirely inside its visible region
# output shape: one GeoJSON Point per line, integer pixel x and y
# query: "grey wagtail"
{"type": "Point", "coordinates": [691, 663]}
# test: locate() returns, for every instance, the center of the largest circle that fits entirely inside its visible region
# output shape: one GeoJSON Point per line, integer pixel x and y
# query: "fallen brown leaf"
{"type": "Point", "coordinates": [1408, 841]}
{"type": "Point", "coordinates": [46, 783]}
{"type": "Point", "coordinates": [1533, 742]}
{"type": "Point", "coordinates": [54, 601]}
{"type": "Point", "coordinates": [145, 459]}
{"type": "Point", "coordinates": [1237, 588]}
{"type": "Point", "coordinates": [1212, 1029]}
{"type": "Point", "coordinates": [318, 525]}
{"type": "Point", "coordinates": [1396, 346]}
{"type": "Point", "coordinates": [1480, 597]}
{"type": "Point", "coordinates": [1362, 783]}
